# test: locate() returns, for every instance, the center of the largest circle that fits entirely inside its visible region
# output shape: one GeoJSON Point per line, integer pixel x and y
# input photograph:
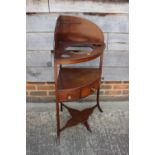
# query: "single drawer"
{"type": "Point", "coordinates": [87, 90]}
{"type": "Point", "coordinates": [68, 95]}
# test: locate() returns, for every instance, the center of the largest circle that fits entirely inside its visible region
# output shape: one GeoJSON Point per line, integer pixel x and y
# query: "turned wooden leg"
{"type": "Point", "coordinates": [61, 106]}
{"type": "Point", "coordinates": [98, 104]}
{"type": "Point", "coordinates": [58, 121]}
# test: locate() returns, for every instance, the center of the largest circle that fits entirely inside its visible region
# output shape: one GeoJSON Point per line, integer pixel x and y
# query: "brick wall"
{"type": "Point", "coordinates": [44, 91]}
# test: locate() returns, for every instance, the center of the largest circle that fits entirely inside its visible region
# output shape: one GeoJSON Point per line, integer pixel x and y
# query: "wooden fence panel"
{"type": "Point", "coordinates": [116, 73]}
{"type": "Point", "coordinates": [39, 41]}
{"type": "Point", "coordinates": [37, 6]}
{"type": "Point", "coordinates": [43, 41]}
{"type": "Point", "coordinates": [112, 18]}
{"type": "Point", "coordinates": [87, 6]}
{"type": "Point", "coordinates": [118, 41]}
{"type": "Point", "coordinates": [39, 59]}
{"type": "Point", "coordinates": [46, 74]}
{"type": "Point", "coordinates": [107, 23]}
{"type": "Point", "coordinates": [45, 59]}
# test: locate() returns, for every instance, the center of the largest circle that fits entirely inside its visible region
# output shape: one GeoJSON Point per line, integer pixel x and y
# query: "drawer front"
{"type": "Point", "coordinates": [69, 95]}
{"type": "Point", "coordinates": [87, 90]}
{"type": "Point", "coordinates": [76, 94]}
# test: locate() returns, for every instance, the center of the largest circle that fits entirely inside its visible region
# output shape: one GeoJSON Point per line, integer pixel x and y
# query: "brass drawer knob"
{"type": "Point", "coordinates": [93, 89]}
{"type": "Point", "coordinates": [69, 97]}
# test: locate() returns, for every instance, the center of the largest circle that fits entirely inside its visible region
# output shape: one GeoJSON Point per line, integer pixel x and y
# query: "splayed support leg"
{"type": "Point", "coordinates": [61, 106]}
{"type": "Point", "coordinates": [87, 126]}
{"type": "Point", "coordinates": [58, 121]}
{"type": "Point", "coordinates": [98, 104]}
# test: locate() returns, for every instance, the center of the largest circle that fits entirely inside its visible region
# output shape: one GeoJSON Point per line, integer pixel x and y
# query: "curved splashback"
{"type": "Point", "coordinates": [74, 32]}
{"type": "Point", "coordinates": [76, 29]}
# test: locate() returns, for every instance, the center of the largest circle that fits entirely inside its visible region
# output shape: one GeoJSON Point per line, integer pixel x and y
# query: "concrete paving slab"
{"type": "Point", "coordinates": [109, 130]}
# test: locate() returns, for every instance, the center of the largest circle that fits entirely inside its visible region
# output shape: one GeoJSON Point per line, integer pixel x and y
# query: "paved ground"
{"type": "Point", "coordinates": [109, 131]}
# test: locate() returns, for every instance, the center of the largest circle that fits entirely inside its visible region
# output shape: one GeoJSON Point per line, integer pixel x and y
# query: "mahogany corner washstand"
{"type": "Point", "coordinates": [73, 37]}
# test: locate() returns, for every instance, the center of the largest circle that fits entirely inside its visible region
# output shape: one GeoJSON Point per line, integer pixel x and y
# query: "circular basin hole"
{"type": "Point", "coordinates": [65, 56]}
{"type": "Point", "coordinates": [79, 49]}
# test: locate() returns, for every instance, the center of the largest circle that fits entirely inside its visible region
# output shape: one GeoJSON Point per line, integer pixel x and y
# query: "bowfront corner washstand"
{"type": "Point", "coordinates": [77, 40]}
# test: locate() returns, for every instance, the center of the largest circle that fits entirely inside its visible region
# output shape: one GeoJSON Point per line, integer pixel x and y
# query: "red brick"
{"type": "Point", "coordinates": [112, 93]}
{"type": "Point", "coordinates": [125, 92]}
{"type": "Point", "coordinates": [44, 87]}
{"type": "Point", "coordinates": [45, 90]}
{"type": "Point", "coordinates": [121, 86]}
{"type": "Point", "coordinates": [30, 87]}
{"type": "Point", "coordinates": [27, 93]}
{"type": "Point", "coordinates": [104, 86]}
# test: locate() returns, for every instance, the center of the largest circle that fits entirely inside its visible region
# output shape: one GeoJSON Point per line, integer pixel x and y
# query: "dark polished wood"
{"type": "Point", "coordinates": [78, 116]}
{"type": "Point", "coordinates": [76, 83]}
{"type": "Point", "coordinates": [73, 36]}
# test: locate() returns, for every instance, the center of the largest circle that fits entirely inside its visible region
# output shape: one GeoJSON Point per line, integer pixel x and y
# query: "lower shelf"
{"type": "Point", "coordinates": [78, 116]}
